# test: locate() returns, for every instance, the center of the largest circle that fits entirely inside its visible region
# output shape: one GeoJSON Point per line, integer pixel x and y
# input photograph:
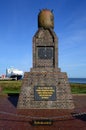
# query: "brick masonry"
{"type": "Point", "coordinates": [45, 73]}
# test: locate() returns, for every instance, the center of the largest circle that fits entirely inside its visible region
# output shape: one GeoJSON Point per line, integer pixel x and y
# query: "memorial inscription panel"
{"type": "Point", "coordinates": [45, 52]}
{"type": "Point", "coordinates": [45, 93]}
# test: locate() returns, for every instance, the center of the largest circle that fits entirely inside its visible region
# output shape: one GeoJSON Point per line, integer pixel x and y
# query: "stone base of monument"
{"type": "Point", "coordinates": [45, 88]}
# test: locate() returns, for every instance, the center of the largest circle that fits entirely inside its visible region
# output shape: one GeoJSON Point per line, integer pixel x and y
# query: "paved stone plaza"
{"type": "Point", "coordinates": [12, 122]}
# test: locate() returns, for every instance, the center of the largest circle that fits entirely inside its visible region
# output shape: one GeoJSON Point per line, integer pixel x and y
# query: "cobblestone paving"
{"type": "Point", "coordinates": [11, 119]}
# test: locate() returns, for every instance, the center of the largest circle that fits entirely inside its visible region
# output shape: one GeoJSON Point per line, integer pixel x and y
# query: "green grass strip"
{"type": "Point", "coordinates": [14, 87]}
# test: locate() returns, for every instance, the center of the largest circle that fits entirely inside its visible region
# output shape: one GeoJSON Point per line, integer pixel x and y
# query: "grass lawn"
{"type": "Point", "coordinates": [78, 88]}
{"type": "Point", "coordinates": [10, 86]}
{"type": "Point", "coordinates": [14, 87]}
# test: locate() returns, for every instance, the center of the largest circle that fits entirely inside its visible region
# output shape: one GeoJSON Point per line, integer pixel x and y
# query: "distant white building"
{"type": "Point", "coordinates": [14, 73]}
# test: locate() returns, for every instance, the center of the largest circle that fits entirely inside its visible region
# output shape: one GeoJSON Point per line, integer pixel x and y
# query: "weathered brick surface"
{"type": "Point", "coordinates": [42, 38]}
{"type": "Point", "coordinates": [45, 73]}
{"type": "Point", "coordinates": [58, 79]}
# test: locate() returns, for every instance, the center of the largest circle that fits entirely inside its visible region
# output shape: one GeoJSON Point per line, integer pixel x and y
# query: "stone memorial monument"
{"type": "Point", "coordinates": [45, 86]}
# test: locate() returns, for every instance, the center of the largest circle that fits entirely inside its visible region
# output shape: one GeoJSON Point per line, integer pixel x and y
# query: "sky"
{"type": "Point", "coordinates": [18, 24]}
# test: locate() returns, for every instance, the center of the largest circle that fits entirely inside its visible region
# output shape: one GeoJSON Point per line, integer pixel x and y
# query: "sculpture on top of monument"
{"type": "Point", "coordinates": [46, 19]}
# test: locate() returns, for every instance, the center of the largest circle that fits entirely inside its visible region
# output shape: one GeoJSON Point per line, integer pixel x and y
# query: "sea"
{"type": "Point", "coordinates": [77, 80]}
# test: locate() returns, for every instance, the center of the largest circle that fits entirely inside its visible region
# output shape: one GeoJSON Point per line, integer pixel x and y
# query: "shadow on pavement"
{"type": "Point", "coordinates": [13, 98]}
{"type": "Point", "coordinates": [80, 117]}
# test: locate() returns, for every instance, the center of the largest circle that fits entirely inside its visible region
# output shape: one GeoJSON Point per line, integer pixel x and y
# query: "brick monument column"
{"type": "Point", "coordinates": [45, 86]}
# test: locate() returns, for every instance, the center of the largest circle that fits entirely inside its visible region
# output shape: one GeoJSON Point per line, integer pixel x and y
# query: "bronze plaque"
{"type": "Point", "coordinates": [42, 122]}
{"type": "Point", "coordinates": [45, 93]}
{"type": "Point", "coordinates": [45, 52]}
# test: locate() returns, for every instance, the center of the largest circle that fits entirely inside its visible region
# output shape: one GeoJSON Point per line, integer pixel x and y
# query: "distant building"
{"type": "Point", "coordinates": [3, 76]}
{"type": "Point", "coordinates": [14, 73]}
